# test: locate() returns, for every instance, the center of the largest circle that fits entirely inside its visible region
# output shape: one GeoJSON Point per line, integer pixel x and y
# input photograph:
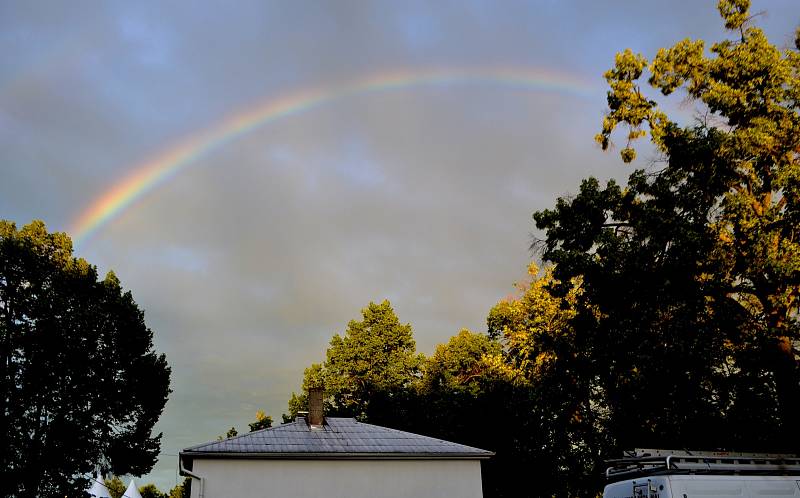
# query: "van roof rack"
{"type": "Point", "coordinates": [647, 462]}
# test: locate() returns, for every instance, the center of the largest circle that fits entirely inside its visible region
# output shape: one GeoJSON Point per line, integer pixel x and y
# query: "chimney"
{"type": "Point", "coordinates": [316, 415]}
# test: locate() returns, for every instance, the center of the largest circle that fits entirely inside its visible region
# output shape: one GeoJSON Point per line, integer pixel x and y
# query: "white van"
{"type": "Point", "coordinates": [692, 474]}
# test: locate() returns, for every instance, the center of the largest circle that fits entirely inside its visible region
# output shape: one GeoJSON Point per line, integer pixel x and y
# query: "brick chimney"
{"type": "Point", "coordinates": [316, 412]}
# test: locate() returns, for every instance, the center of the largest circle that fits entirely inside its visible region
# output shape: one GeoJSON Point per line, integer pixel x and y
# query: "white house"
{"type": "Point", "coordinates": [318, 457]}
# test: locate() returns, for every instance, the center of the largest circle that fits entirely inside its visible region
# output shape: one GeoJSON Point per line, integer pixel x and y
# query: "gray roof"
{"type": "Point", "coordinates": [338, 438]}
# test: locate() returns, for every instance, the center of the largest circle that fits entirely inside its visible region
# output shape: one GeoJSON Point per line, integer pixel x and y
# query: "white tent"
{"type": "Point", "coordinates": [98, 488]}
{"type": "Point", "coordinates": [132, 491]}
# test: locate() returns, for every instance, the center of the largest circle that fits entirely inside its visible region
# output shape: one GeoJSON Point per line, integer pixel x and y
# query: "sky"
{"type": "Point", "coordinates": [256, 173]}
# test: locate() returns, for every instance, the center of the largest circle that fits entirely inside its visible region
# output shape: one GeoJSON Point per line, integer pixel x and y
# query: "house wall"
{"type": "Point", "coordinates": [232, 478]}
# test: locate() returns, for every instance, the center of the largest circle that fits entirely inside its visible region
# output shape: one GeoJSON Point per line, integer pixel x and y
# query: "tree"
{"type": "Point", "coordinates": [543, 360]}
{"type": "Point", "coordinates": [691, 272]}
{"type": "Point", "coordinates": [296, 403]}
{"type": "Point", "coordinates": [468, 396]}
{"type": "Point", "coordinates": [460, 364]}
{"type": "Point", "coordinates": [116, 488]}
{"type": "Point", "coordinates": [376, 355]}
{"type": "Point", "coordinates": [151, 491]}
{"type": "Point", "coordinates": [263, 421]}
{"type": "Point", "coordinates": [313, 377]}
{"type": "Point", "coordinates": [183, 490]}
{"type": "Point", "coordinates": [536, 326]}
{"type": "Point", "coordinates": [78, 374]}
{"type": "Point", "coordinates": [232, 432]}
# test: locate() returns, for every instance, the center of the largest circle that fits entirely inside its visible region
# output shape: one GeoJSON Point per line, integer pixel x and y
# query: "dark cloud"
{"type": "Point", "coordinates": [251, 258]}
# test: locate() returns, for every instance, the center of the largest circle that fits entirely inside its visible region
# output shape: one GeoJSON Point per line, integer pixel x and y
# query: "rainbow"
{"type": "Point", "coordinates": [160, 168]}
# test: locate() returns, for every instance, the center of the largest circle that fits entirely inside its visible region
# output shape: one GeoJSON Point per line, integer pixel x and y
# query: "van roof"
{"type": "Point", "coordinates": [661, 462]}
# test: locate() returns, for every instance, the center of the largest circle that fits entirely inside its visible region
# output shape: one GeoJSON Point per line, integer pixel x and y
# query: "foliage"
{"type": "Point", "coordinates": [297, 403]}
{"type": "Point", "coordinates": [263, 421]}
{"type": "Point", "coordinates": [533, 327]}
{"type": "Point", "coordinates": [116, 488]}
{"type": "Point", "coordinates": [375, 355]}
{"type": "Point", "coordinates": [78, 374]}
{"type": "Point", "coordinates": [542, 357]}
{"type": "Point", "coordinates": [460, 364]}
{"type": "Point", "coordinates": [691, 273]}
{"type": "Point", "coordinates": [183, 490]}
{"type": "Point", "coordinates": [151, 491]}
{"type": "Point", "coordinates": [232, 432]}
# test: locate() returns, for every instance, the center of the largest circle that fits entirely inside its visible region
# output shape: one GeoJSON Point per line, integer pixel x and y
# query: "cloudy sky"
{"type": "Point", "coordinates": [345, 186]}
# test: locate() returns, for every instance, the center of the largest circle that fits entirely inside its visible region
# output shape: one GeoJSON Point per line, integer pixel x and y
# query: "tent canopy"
{"type": "Point", "coordinates": [98, 488]}
{"type": "Point", "coordinates": [132, 491]}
